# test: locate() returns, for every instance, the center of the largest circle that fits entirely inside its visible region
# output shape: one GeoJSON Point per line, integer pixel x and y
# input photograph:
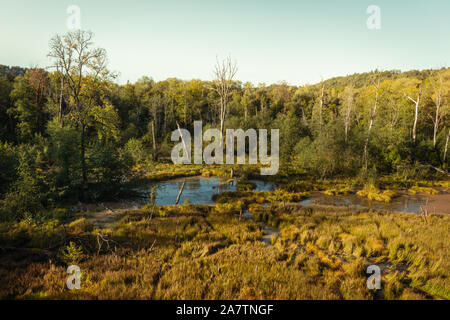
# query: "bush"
{"type": "Point", "coordinates": [136, 150]}
{"type": "Point", "coordinates": [72, 254]}
{"type": "Point", "coordinates": [108, 169]}
{"type": "Point", "coordinates": [373, 193]}
{"type": "Point", "coordinates": [31, 189]}
{"type": "Point", "coordinates": [8, 163]}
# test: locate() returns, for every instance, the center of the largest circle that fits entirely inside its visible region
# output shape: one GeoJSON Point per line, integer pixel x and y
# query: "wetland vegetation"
{"type": "Point", "coordinates": [85, 180]}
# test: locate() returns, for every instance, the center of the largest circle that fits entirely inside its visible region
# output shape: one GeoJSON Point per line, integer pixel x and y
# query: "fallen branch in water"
{"type": "Point", "coordinates": [181, 191]}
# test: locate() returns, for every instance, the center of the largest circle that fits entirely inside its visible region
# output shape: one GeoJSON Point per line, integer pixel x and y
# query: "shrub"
{"type": "Point", "coordinates": [71, 254]}
{"type": "Point", "coordinates": [136, 150]}
{"type": "Point", "coordinates": [373, 193]}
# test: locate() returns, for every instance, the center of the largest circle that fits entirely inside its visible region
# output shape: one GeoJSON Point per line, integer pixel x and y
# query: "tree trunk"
{"type": "Point", "coordinates": [223, 110]}
{"type": "Point", "coordinates": [372, 119]}
{"type": "Point", "coordinates": [321, 106]}
{"type": "Point", "coordinates": [224, 72]}
{"type": "Point", "coordinates": [60, 113]}
{"type": "Point", "coordinates": [348, 113]}
{"type": "Point", "coordinates": [346, 129]}
{"type": "Point", "coordinates": [165, 119]}
{"type": "Point", "coordinates": [437, 116]}
{"type": "Point", "coordinates": [446, 145]}
{"type": "Point", "coordinates": [182, 139]}
{"type": "Point", "coordinates": [83, 157]}
{"type": "Point", "coordinates": [222, 120]}
{"type": "Point", "coordinates": [181, 191]}
{"type": "Point", "coordinates": [416, 115]}
{"type": "Point", "coordinates": [245, 115]}
{"type": "Point", "coordinates": [154, 140]}
{"type": "Point", "coordinates": [436, 125]}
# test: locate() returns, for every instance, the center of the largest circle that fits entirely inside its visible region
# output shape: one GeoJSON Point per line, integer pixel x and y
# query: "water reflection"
{"type": "Point", "coordinates": [199, 190]}
{"type": "Point", "coordinates": [402, 203]}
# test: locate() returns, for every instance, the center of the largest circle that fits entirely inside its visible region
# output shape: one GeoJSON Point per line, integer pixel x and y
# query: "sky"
{"type": "Point", "coordinates": [297, 41]}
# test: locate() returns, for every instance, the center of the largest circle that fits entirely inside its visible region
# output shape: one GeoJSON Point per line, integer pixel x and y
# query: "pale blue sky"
{"type": "Point", "coordinates": [298, 41]}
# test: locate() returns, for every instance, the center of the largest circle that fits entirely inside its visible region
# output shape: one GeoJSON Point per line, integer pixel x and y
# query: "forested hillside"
{"type": "Point", "coordinates": [11, 71]}
{"type": "Point", "coordinates": [66, 137]}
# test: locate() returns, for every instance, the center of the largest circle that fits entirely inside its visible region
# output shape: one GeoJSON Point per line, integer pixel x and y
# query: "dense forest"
{"type": "Point", "coordinates": [70, 132]}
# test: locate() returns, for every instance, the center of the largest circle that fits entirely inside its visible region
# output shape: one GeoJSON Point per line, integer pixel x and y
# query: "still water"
{"type": "Point", "coordinates": [199, 190]}
{"type": "Point", "coordinates": [402, 203]}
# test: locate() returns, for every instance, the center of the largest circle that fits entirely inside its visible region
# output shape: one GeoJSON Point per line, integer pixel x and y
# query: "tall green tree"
{"type": "Point", "coordinates": [85, 69]}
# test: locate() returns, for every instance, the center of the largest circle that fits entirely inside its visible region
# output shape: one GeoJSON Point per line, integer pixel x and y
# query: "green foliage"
{"type": "Point", "coordinates": [8, 163]}
{"type": "Point", "coordinates": [106, 121]}
{"type": "Point", "coordinates": [72, 253]}
{"type": "Point", "coordinates": [65, 158]}
{"type": "Point", "coordinates": [136, 149]}
{"type": "Point", "coordinates": [90, 141]}
{"type": "Point", "coordinates": [29, 98]}
{"type": "Point", "coordinates": [373, 193]}
{"type": "Point", "coordinates": [32, 188]}
{"type": "Point", "coordinates": [108, 168]}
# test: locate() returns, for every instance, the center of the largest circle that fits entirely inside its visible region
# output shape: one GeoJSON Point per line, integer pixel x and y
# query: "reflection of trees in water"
{"type": "Point", "coordinates": [401, 203]}
{"type": "Point", "coordinates": [197, 189]}
{"type": "Point", "coordinates": [193, 184]}
{"type": "Point", "coordinates": [196, 184]}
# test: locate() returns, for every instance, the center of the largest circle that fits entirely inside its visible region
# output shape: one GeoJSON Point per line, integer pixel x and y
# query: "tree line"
{"type": "Point", "coordinates": [69, 131]}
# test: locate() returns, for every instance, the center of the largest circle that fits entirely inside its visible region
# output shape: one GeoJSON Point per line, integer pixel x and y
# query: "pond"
{"type": "Point", "coordinates": [199, 190]}
{"type": "Point", "coordinates": [402, 203]}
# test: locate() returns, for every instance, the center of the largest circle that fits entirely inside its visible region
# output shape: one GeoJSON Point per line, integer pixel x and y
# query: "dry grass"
{"type": "Point", "coordinates": [213, 252]}
{"type": "Point", "coordinates": [426, 190]}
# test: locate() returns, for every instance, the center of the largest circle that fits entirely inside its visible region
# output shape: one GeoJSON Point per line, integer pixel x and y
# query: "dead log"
{"type": "Point", "coordinates": [179, 193]}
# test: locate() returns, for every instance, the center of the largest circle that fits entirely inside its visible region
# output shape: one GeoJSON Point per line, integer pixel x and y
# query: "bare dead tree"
{"type": "Point", "coordinates": [348, 107]}
{"type": "Point", "coordinates": [59, 69]}
{"type": "Point", "coordinates": [181, 191]}
{"type": "Point", "coordinates": [376, 82]}
{"type": "Point", "coordinates": [182, 139]}
{"type": "Point", "coordinates": [321, 102]}
{"type": "Point", "coordinates": [156, 104]}
{"type": "Point", "coordinates": [394, 110]}
{"type": "Point", "coordinates": [154, 139]}
{"type": "Point", "coordinates": [446, 145]}
{"type": "Point", "coordinates": [224, 73]}
{"type": "Point", "coordinates": [438, 103]}
{"type": "Point", "coordinates": [416, 113]}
